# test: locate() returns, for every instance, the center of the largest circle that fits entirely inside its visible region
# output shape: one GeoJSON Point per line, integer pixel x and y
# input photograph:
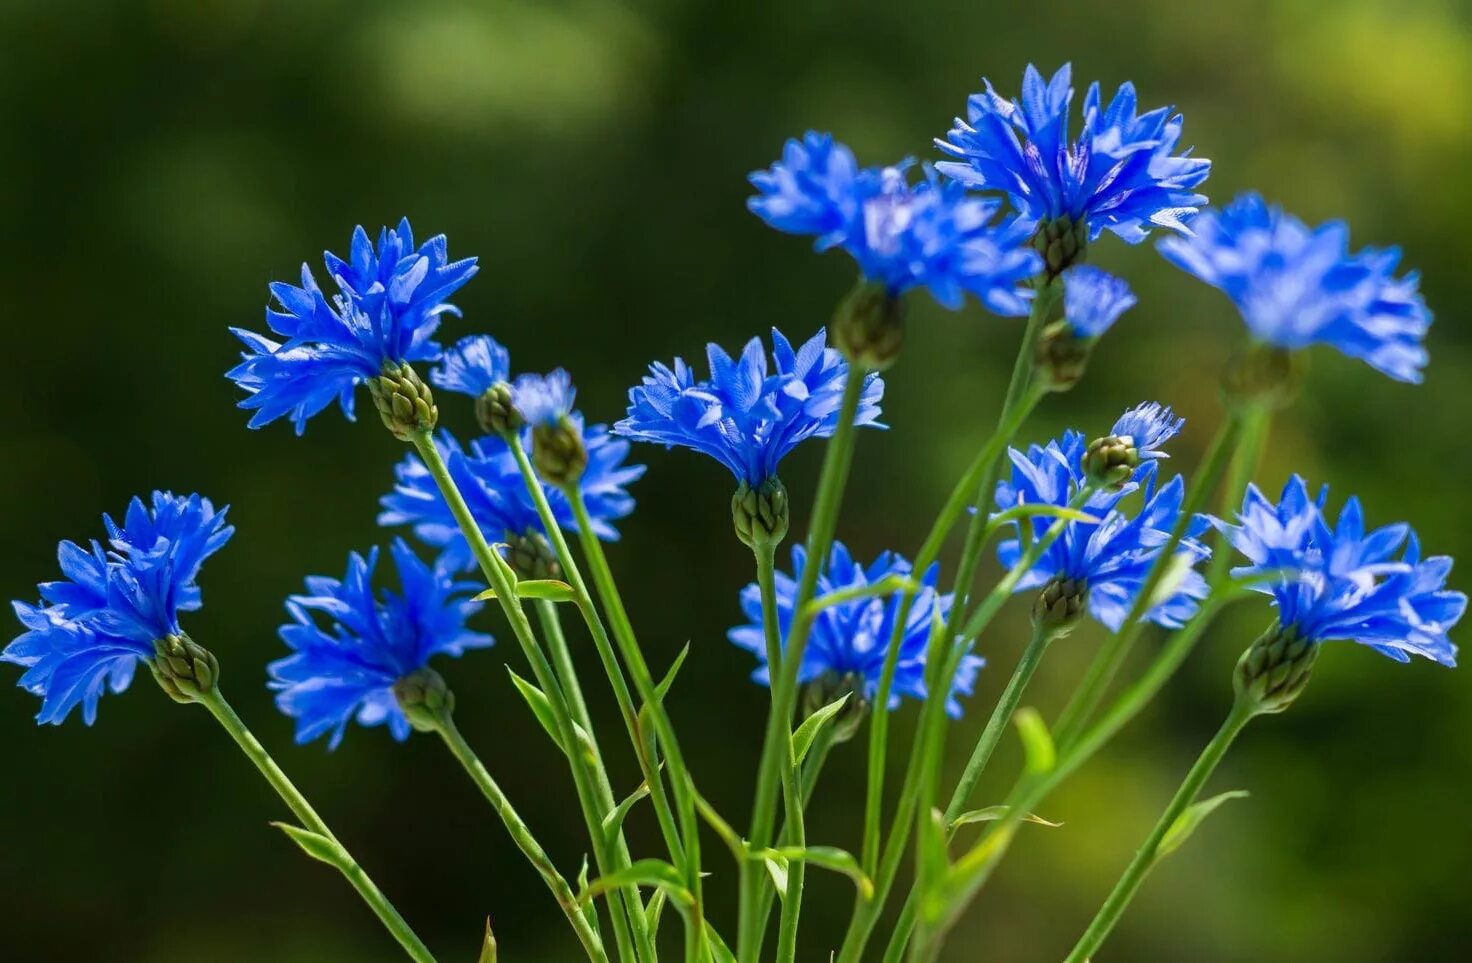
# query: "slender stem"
{"type": "Point", "coordinates": [680, 778]}
{"type": "Point", "coordinates": [522, 836]}
{"type": "Point", "coordinates": [776, 748]}
{"type": "Point", "coordinates": [297, 803]}
{"type": "Point", "coordinates": [1129, 883]}
{"type": "Point", "coordinates": [497, 573]}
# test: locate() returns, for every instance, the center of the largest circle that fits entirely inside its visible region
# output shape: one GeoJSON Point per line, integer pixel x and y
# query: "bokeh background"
{"type": "Point", "coordinates": [164, 160]}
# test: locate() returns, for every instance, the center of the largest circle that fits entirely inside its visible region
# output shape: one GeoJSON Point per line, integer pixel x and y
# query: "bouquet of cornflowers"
{"type": "Point", "coordinates": [1087, 526]}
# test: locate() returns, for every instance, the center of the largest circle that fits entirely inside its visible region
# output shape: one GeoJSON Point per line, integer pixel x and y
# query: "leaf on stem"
{"type": "Point", "coordinates": [1186, 822]}
{"type": "Point", "coordinates": [614, 821]}
{"type": "Point", "coordinates": [828, 857]}
{"type": "Point", "coordinates": [885, 586]}
{"type": "Point", "coordinates": [723, 829]}
{"type": "Point", "coordinates": [643, 872]}
{"type": "Point", "coordinates": [718, 948]}
{"type": "Point", "coordinates": [315, 845]}
{"type": "Point", "coordinates": [989, 813]}
{"type": "Point", "coordinates": [802, 739]}
{"type": "Point", "coordinates": [547, 589]}
{"type": "Point", "coordinates": [590, 912]}
{"type": "Point", "coordinates": [653, 910]}
{"type": "Point", "coordinates": [541, 707]}
{"type": "Point", "coordinates": [1020, 512]}
{"type": "Point", "coordinates": [934, 861]}
{"type": "Point", "coordinates": [487, 946]}
{"type": "Point", "coordinates": [1037, 742]}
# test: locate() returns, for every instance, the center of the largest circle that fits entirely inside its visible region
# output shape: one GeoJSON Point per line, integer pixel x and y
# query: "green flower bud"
{"type": "Point", "coordinates": [1264, 376]}
{"type": "Point", "coordinates": [1274, 669]}
{"type": "Point", "coordinates": [186, 670]}
{"type": "Point", "coordinates": [1061, 356]}
{"type": "Point", "coordinates": [558, 453]}
{"type": "Point", "coordinates": [869, 326]}
{"type": "Point", "coordinates": [426, 700]}
{"type": "Point", "coordinates": [404, 401]}
{"type": "Point", "coordinates": [531, 557]}
{"type": "Point", "coordinates": [829, 688]}
{"type": "Point", "coordinates": [761, 514]}
{"type": "Point", "coordinates": [1063, 243]}
{"type": "Point", "coordinates": [1110, 461]}
{"type": "Point", "coordinates": [496, 413]}
{"type": "Point", "coordinates": [1060, 605]}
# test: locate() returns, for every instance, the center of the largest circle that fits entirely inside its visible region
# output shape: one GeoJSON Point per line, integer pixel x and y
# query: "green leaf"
{"type": "Point", "coordinates": [487, 946]}
{"type": "Point", "coordinates": [541, 707]}
{"type": "Point", "coordinates": [719, 950]}
{"type": "Point", "coordinates": [645, 723]}
{"type": "Point", "coordinates": [885, 586]}
{"type": "Point", "coordinates": [1186, 822]}
{"type": "Point", "coordinates": [1042, 756]}
{"type": "Point", "coordinates": [489, 595]}
{"type": "Point", "coordinates": [989, 813]}
{"type": "Point", "coordinates": [653, 910]}
{"type": "Point", "coordinates": [590, 912]}
{"type": "Point", "coordinates": [802, 739]}
{"type": "Point", "coordinates": [777, 869]}
{"type": "Point", "coordinates": [315, 845]}
{"type": "Point", "coordinates": [723, 829]}
{"type": "Point", "coordinates": [644, 872]}
{"type": "Point", "coordinates": [614, 821]}
{"type": "Point", "coordinates": [934, 860]}
{"type": "Point", "coordinates": [663, 688]}
{"type": "Point", "coordinates": [828, 857]}
{"type": "Point", "coordinates": [548, 589]}
{"type": "Point", "coordinates": [1020, 512]}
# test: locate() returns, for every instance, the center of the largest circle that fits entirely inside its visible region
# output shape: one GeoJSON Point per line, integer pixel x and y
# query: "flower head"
{"type": "Point", "coordinates": [387, 308]}
{"type": "Point", "coordinates": [929, 234]}
{"type": "Point", "coordinates": [544, 399]}
{"type": "Point", "coordinates": [1120, 174]}
{"type": "Point", "coordinates": [745, 415]}
{"type": "Point", "coordinates": [472, 366]}
{"type": "Point", "coordinates": [91, 627]}
{"type": "Point", "coordinates": [1113, 556]}
{"type": "Point", "coordinates": [1335, 582]}
{"type": "Point", "coordinates": [852, 638]}
{"type": "Point", "coordinates": [349, 646]}
{"type": "Point", "coordinates": [1148, 427]}
{"type": "Point", "coordinates": [491, 482]}
{"type": "Point", "coordinates": [1296, 286]}
{"type": "Point", "coordinates": [1093, 300]}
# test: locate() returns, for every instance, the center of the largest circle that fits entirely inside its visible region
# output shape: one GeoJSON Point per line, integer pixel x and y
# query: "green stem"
{"type": "Point", "coordinates": [776, 748]}
{"type": "Point", "coordinates": [297, 803]}
{"type": "Point", "coordinates": [497, 573]}
{"type": "Point", "coordinates": [1129, 883]}
{"type": "Point", "coordinates": [680, 778]}
{"type": "Point", "coordinates": [522, 836]}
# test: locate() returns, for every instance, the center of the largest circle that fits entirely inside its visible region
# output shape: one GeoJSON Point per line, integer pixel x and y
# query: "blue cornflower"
{"type": "Point", "coordinates": [92, 627]}
{"type": "Point", "coordinates": [1147, 427]}
{"type": "Point", "coordinates": [742, 415]}
{"type": "Point", "coordinates": [1113, 556]}
{"type": "Point", "coordinates": [472, 366]}
{"type": "Point", "coordinates": [1120, 174]}
{"type": "Point", "coordinates": [388, 306]}
{"type": "Point", "coordinates": [1296, 286]}
{"type": "Point", "coordinates": [491, 482]}
{"type": "Point", "coordinates": [347, 669]}
{"type": "Point", "coordinates": [1340, 582]}
{"type": "Point", "coordinates": [1093, 300]}
{"type": "Point", "coordinates": [544, 400]}
{"type": "Point", "coordinates": [931, 234]}
{"type": "Point", "coordinates": [852, 639]}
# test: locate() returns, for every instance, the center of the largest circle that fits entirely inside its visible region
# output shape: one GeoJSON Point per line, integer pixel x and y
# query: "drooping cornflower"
{"type": "Point", "coordinates": [491, 482]}
{"type": "Point", "coordinates": [93, 626]}
{"type": "Point", "coordinates": [745, 415]}
{"type": "Point", "coordinates": [1093, 300]}
{"type": "Point", "coordinates": [1297, 286]}
{"type": "Point", "coordinates": [387, 308]}
{"type": "Point", "coordinates": [932, 233]}
{"type": "Point", "coordinates": [1111, 558]}
{"type": "Point", "coordinates": [851, 640]}
{"type": "Point", "coordinates": [350, 645]}
{"type": "Point", "coordinates": [1340, 582]}
{"type": "Point", "coordinates": [1121, 173]}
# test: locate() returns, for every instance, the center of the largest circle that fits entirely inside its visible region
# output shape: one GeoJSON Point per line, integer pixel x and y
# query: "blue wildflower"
{"type": "Point", "coordinates": [1093, 300]}
{"type": "Point", "coordinates": [1120, 174]}
{"type": "Point", "coordinates": [346, 670]}
{"type": "Point", "coordinates": [744, 415]}
{"type": "Point", "coordinates": [544, 399]}
{"type": "Point", "coordinates": [852, 639]}
{"type": "Point", "coordinates": [1147, 427]}
{"type": "Point", "coordinates": [1340, 582]}
{"type": "Point", "coordinates": [491, 482]}
{"type": "Point", "coordinates": [388, 306]}
{"type": "Point", "coordinates": [1296, 286]}
{"type": "Point", "coordinates": [91, 627]}
{"type": "Point", "coordinates": [1113, 556]}
{"type": "Point", "coordinates": [472, 366]}
{"type": "Point", "coordinates": [931, 234]}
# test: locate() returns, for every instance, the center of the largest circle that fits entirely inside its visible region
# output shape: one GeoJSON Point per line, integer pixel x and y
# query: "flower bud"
{"type": "Point", "coordinates": [760, 515]}
{"type": "Point", "coordinates": [404, 401]}
{"type": "Point", "coordinates": [1063, 242]}
{"type": "Point", "coordinates": [496, 412]}
{"type": "Point", "coordinates": [531, 557]}
{"type": "Point", "coordinates": [558, 452]}
{"type": "Point", "coordinates": [869, 326]}
{"type": "Point", "coordinates": [1110, 461]}
{"type": "Point", "coordinates": [186, 670]}
{"type": "Point", "coordinates": [828, 688]}
{"type": "Point", "coordinates": [1060, 605]}
{"type": "Point", "coordinates": [1275, 668]}
{"type": "Point", "coordinates": [1061, 356]}
{"type": "Point", "coordinates": [1264, 376]}
{"type": "Point", "coordinates": [425, 699]}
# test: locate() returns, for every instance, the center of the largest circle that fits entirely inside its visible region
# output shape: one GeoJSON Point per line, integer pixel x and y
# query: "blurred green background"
{"type": "Point", "coordinates": [165, 160]}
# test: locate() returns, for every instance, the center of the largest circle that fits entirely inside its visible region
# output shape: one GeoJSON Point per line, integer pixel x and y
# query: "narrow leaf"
{"type": "Point", "coordinates": [653, 911]}
{"type": "Point", "coordinates": [1042, 756]}
{"type": "Point", "coordinates": [934, 861]}
{"type": "Point", "coordinates": [718, 948]}
{"type": "Point", "coordinates": [1186, 822]}
{"type": "Point", "coordinates": [590, 912]}
{"type": "Point", "coordinates": [317, 846]}
{"type": "Point", "coordinates": [486, 596]}
{"type": "Point", "coordinates": [540, 705]}
{"type": "Point", "coordinates": [723, 829]}
{"type": "Point", "coordinates": [802, 739]}
{"type": "Point", "coordinates": [885, 586]}
{"type": "Point", "coordinates": [990, 813]}
{"type": "Point", "coordinates": [487, 946]}
{"type": "Point", "coordinates": [614, 821]}
{"type": "Point", "coordinates": [643, 872]}
{"type": "Point", "coordinates": [828, 857]}
{"type": "Point", "coordinates": [549, 589]}
{"type": "Point", "coordinates": [645, 723]}
{"type": "Point", "coordinates": [663, 688]}
{"type": "Point", "coordinates": [1035, 510]}
{"type": "Point", "coordinates": [777, 869]}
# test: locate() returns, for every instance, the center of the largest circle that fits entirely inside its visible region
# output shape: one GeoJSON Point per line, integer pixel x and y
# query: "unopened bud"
{"type": "Point", "coordinates": [559, 453]}
{"type": "Point", "coordinates": [869, 326]}
{"type": "Point", "coordinates": [425, 699]}
{"type": "Point", "coordinates": [1060, 605]}
{"type": "Point", "coordinates": [829, 688]}
{"type": "Point", "coordinates": [1063, 242]}
{"type": "Point", "coordinates": [496, 412]}
{"type": "Point", "coordinates": [404, 401]}
{"type": "Point", "coordinates": [531, 557]}
{"type": "Point", "coordinates": [1263, 376]}
{"type": "Point", "coordinates": [1275, 668]}
{"type": "Point", "coordinates": [760, 515]}
{"type": "Point", "coordinates": [1061, 356]}
{"type": "Point", "coordinates": [1110, 461]}
{"type": "Point", "coordinates": [186, 670]}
